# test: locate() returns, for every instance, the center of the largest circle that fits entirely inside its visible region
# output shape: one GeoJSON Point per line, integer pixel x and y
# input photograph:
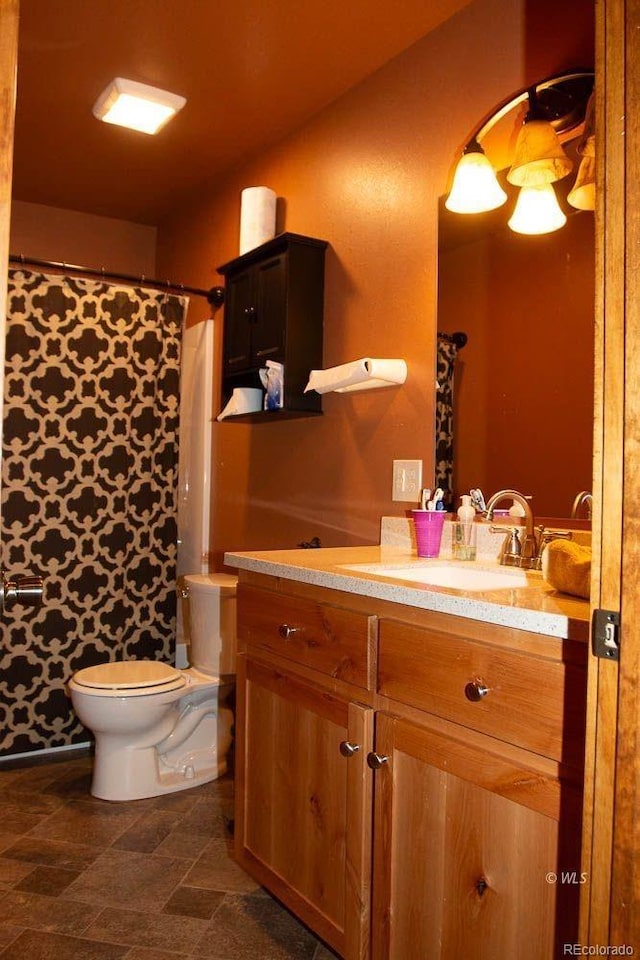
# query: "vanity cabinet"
{"type": "Point", "coordinates": [304, 730]}
{"type": "Point", "coordinates": [472, 830]}
{"type": "Point", "coordinates": [274, 305]}
{"type": "Point", "coordinates": [442, 835]}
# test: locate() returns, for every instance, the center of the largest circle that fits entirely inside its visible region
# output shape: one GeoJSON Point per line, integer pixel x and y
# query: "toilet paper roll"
{"type": "Point", "coordinates": [243, 400]}
{"type": "Point", "coordinates": [257, 217]}
{"type": "Point", "coordinates": [365, 374]}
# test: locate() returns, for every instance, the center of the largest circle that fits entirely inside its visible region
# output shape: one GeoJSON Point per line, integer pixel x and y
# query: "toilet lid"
{"type": "Point", "coordinates": [130, 674]}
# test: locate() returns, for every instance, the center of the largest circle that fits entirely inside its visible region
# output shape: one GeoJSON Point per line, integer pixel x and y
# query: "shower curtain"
{"type": "Point", "coordinates": [89, 490]}
{"type": "Point", "coordinates": [446, 358]}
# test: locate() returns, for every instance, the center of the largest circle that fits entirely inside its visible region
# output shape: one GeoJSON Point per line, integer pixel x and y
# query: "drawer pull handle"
{"type": "Point", "coordinates": [286, 631]}
{"type": "Point", "coordinates": [348, 749]}
{"type": "Point", "coordinates": [376, 760]}
{"type": "Point", "coordinates": [475, 691]}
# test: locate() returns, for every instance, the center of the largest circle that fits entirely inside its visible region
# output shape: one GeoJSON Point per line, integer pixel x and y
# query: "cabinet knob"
{"type": "Point", "coordinates": [348, 749]}
{"type": "Point", "coordinates": [250, 314]}
{"type": "Point", "coordinates": [286, 631]}
{"type": "Point", "coordinates": [376, 760]}
{"type": "Point", "coordinates": [475, 691]}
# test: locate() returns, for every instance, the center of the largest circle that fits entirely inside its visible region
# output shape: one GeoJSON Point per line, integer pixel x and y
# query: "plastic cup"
{"type": "Point", "coordinates": [428, 526]}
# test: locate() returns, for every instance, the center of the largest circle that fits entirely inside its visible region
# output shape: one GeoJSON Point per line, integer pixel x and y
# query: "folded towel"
{"type": "Point", "coordinates": [566, 566]}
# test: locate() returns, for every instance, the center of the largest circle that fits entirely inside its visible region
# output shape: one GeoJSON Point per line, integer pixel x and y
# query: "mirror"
{"type": "Point", "coordinates": [523, 383]}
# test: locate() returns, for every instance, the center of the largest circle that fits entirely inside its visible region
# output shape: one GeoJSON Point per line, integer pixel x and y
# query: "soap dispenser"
{"type": "Point", "coordinates": [466, 512]}
{"type": "Point", "coordinates": [464, 532]}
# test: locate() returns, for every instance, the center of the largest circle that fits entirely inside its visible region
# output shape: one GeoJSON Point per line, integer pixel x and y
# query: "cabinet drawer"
{"type": "Point", "coordinates": [332, 640]}
{"type": "Point", "coordinates": [532, 702]}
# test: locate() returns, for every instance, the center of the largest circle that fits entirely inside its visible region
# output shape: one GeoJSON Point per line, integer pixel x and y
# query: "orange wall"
{"type": "Point", "coordinates": [364, 174]}
{"type": "Point", "coordinates": [69, 236]}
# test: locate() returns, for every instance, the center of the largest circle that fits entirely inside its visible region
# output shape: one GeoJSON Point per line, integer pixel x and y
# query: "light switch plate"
{"type": "Point", "coordinates": [407, 480]}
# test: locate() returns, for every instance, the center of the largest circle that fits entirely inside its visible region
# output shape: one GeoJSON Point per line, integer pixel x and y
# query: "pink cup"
{"type": "Point", "coordinates": [428, 525]}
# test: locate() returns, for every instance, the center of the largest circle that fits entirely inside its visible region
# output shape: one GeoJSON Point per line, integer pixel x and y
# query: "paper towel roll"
{"type": "Point", "coordinates": [365, 374]}
{"type": "Point", "coordinates": [257, 217]}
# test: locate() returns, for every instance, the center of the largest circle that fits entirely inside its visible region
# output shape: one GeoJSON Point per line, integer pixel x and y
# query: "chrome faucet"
{"type": "Point", "coordinates": [517, 553]}
{"type": "Point", "coordinates": [528, 552]}
{"type": "Point", "coordinates": [584, 498]}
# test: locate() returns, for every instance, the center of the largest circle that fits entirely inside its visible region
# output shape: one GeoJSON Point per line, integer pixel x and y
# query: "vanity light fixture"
{"type": "Point", "coordinates": [583, 194]}
{"type": "Point", "coordinates": [555, 106]}
{"type": "Point", "coordinates": [138, 106]}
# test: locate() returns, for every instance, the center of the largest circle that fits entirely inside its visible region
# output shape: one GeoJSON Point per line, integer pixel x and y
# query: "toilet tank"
{"type": "Point", "coordinates": [212, 622]}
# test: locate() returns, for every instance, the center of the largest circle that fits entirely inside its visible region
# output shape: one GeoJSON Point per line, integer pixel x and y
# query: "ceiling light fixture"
{"type": "Point", "coordinates": [555, 106]}
{"type": "Point", "coordinates": [138, 106]}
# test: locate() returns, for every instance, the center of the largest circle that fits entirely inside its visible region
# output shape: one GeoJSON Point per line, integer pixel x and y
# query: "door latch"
{"type": "Point", "coordinates": [605, 634]}
{"type": "Point", "coordinates": [20, 589]}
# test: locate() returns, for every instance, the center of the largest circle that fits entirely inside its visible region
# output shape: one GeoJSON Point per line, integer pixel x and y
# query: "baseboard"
{"type": "Point", "coordinates": [49, 753]}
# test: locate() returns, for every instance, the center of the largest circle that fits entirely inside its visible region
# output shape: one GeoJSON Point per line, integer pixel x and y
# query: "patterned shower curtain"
{"type": "Point", "coordinates": [446, 358]}
{"type": "Point", "coordinates": [89, 490]}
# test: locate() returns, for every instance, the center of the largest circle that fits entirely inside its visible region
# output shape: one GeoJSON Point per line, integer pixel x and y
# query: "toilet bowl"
{"type": "Point", "coordinates": [157, 729]}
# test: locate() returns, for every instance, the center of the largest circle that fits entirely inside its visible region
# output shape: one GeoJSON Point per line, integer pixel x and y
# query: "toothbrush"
{"type": "Point", "coordinates": [426, 493]}
{"type": "Point", "coordinates": [437, 496]}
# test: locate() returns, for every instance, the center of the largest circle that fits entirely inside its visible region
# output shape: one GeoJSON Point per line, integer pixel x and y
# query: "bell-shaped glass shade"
{"type": "Point", "coordinates": [539, 156]}
{"type": "Point", "coordinates": [582, 196]}
{"type": "Point", "coordinates": [475, 188]}
{"type": "Point", "coordinates": [537, 211]}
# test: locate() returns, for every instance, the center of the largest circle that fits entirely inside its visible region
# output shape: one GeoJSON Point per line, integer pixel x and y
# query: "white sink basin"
{"type": "Point", "coordinates": [445, 575]}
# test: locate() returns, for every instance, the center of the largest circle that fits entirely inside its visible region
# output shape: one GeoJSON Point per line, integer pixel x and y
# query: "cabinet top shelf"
{"type": "Point", "coordinates": [276, 245]}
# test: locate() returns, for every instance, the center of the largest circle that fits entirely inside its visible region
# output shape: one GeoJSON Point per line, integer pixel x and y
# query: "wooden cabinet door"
{"type": "Point", "coordinates": [268, 331]}
{"type": "Point", "coordinates": [303, 813]}
{"type": "Point", "coordinates": [239, 315]}
{"type": "Point", "coordinates": [468, 846]}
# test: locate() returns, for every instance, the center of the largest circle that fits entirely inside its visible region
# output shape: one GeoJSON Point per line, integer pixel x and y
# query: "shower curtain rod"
{"type": "Point", "coordinates": [214, 296]}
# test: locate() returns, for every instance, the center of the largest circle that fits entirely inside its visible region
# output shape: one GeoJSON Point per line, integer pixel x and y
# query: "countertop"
{"type": "Point", "coordinates": [536, 607]}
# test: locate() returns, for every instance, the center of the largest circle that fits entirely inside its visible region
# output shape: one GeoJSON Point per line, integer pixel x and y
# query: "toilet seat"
{"type": "Point", "coordinates": [130, 678]}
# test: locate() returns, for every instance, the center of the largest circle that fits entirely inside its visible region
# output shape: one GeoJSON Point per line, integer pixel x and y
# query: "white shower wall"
{"type": "Point", "coordinates": [194, 471]}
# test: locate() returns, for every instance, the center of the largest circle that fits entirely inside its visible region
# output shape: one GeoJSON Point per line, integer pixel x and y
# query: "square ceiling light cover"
{"type": "Point", "coordinates": [137, 105]}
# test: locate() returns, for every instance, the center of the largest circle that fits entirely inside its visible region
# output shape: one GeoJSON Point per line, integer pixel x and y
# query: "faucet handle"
{"type": "Point", "coordinates": [546, 536]}
{"type": "Point", "coordinates": [512, 548]}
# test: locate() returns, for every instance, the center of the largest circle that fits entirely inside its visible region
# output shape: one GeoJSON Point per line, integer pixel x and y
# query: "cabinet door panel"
{"type": "Point", "coordinates": [268, 332]}
{"type": "Point", "coordinates": [238, 322]}
{"type": "Point", "coordinates": [461, 865]}
{"type": "Point", "coordinates": [302, 828]}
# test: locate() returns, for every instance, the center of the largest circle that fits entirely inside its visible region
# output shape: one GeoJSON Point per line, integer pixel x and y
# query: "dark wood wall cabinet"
{"type": "Point", "coordinates": [274, 307]}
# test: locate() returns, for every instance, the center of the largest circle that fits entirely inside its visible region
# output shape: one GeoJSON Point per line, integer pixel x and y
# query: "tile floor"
{"type": "Point", "coordinates": [83, 879]}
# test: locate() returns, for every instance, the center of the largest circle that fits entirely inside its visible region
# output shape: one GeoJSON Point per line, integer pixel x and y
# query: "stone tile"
{"type": "Point", "coordinates": [13, 800]}
{"type": "Point", "coordinates": [76, 785]}
{"type": "Point", "coordinates": [209, 816]}
{"type": "Point", "coordinates": [52, 853]}
{"type": "Point", "coordinates": [98, 823]}
{"type": "Point", "coordinates": [323, 952]}
{"type": "Point", "coordinates": [15, 820]}
{"type": "Point", "coordinates": [35, 945]}
{"type": "Point", "coordinates": [144, 953]}
{"type": "Point", "coordinates": [46, 913]}
{"type": "Point", "coordinates": [48, 881]}
{"type": "Point", "coordinates": [185, 846]}
{"type": "Point", "coordinates": [179, 802]}
{"type": "Point", "coordinates": [154, 930]}
{"type": "Point", "coordinates": [8, 932]}
{"type": "Point", "coordinates": [12, 871]}
{"type": "Point", "coordinates": [118, 876]}
{"type": "Point", "coordinates": [144, 836]}
{"type": "Point", "coordinates": [255, 928]}
{"type": "Point", "coordinates": [194, 902]}
{"type": "Point", "coordinates": [216, 870]}
{"type": "Point", "coordinates": [7, 840]}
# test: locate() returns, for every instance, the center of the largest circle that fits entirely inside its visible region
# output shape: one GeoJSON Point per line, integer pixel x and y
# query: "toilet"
{"type": "Point", "coordinates": [158, 729]}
